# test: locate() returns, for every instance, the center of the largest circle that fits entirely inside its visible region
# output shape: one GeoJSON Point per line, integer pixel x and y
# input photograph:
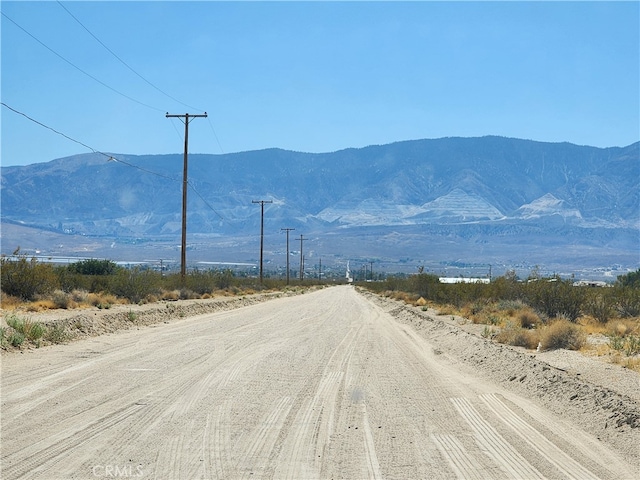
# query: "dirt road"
{"type": "Point", "coordinates": [322, 385]}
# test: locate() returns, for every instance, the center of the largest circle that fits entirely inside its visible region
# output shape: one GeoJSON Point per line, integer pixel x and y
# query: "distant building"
{"type": "Point", "coordinates": [590, 283]}
{"type": "Point", "coordinates": [463, 280]}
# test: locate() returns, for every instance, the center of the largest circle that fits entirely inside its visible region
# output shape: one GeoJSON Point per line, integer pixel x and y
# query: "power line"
{"type": "Point", "coordinates": [214, 134]}
{"type": "Point", "coordinates": [52, 129]}
{"type": "Point", "coordinates": [123, 62]}
{"type": "Point", "coordinates": [80, 69]}
{"type": "Point", "coordinates": [138, 74]}
{"type": "Point", "coordinates": [111, 157]}
{"type": "Point", "coordinates": [204, 200]}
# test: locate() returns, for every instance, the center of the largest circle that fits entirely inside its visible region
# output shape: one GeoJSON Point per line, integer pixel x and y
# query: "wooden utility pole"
{"type": "Point", "coordinates": [183, 254]}
{"type": "Point", "coordinates": [261, 202]}
{"type": "Point", "coordinates": [301, 258]}
{"type": "Point", "coordinates": [288, 230]}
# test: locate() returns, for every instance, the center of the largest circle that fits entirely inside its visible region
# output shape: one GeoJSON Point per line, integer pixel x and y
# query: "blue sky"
{"type": "Point", "coordinates": [315, 77]}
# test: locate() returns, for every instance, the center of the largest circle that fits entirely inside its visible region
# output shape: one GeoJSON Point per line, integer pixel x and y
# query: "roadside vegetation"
{"type": "Point", "coordinates": [29, 286]}
{"type": "Point", "coordinates": [536, 313]}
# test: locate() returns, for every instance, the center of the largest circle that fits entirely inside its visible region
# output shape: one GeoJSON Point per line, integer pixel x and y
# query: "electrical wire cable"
{"type": "Point", "coordinates": [214, 134]}
{"type": "Point", "coordinates": [80, 69]}
{"type": "Point", "coordinates": [52, 129]}
{"type": "Point", "coordinates": [104, 84]}
{"type": "Point", "coordinates": [204, 200]}
{"type": "Point", "coordinates": [125, 63]}
{"type": "Point", "coordinates": [138, 74]}
{"type": "Point", "coordinates": [111, 158]}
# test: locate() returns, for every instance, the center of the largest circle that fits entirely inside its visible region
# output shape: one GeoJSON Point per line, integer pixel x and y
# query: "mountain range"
{"type": "Point", "coordinates": [482, 200]}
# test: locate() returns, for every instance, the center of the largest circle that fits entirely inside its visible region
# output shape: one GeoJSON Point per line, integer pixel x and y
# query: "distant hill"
{"type": "Point", "coordinates": [489, 189]}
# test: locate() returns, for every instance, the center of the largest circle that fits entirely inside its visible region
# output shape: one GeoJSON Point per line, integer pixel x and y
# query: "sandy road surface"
{"type": "Point", "coordinates": [322, 385]}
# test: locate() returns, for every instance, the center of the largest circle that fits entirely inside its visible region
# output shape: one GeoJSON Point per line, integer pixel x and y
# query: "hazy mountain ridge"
{"type": "Point", "coordinates": [450, 181]}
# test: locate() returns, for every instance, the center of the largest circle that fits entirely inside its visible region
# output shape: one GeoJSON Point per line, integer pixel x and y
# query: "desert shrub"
{"type": "Point", "coordinates": [623, 327]}
{"type": "Point", "coordinates": [134, 284]}
{"type": "Point", "coordinates": [26, 279]}
{"type": "Point", "coordinates": [424, 285]}
{"type": "Point", "coordinates": [616, 342]}
{"type": "Point", "coordinates": [62, 300]}
{"type": "Point", "coordinates": [515, 335]}
{"type": "Point", "coordinates": [627, 301]}
{"type": "Point", "coordinates": [506, 288]}
{"type": "Point", "coordinates": [188, 294]}
{"type": "Point", "coordinates": [555, 297]}
{"type": "Point", "coordinates": [528, 319]}
{"type": "Point", "coordinates": [94, 266]}
{"type": "Point", "coordinates": [57, 334]}
{"type": "Point", "coordinates": [79, 296]}
{"type": "Point", "coordinates": [101, 300]}
{"type": "Point", "coordinates": [41, 305]}
{"type": "Point", "coordinates": [562, 334]}
{"type": "Point", "coordinates": [631, 279]}
{"type": "Point", "coordinates": [9, 301]}
{"type": "Point", "coordinates": [35, 331]}
{"type": "Point", "coordinates": [170, 294]}
{"type": "Point", "coordinates": [202, 282]}
{"type": "Point", "coordinates": [510, 306]}
{"type": "Point", "coordinates": [632, 345]}
{"type": "Point", "coordinates": [16, 339]}
{"type": "Point", "coordinates": [600, 304]}
{"type": "Point", "coordinates": [26, 327]}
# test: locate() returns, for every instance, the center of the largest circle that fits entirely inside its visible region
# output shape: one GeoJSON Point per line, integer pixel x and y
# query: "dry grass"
{"type": "Point", "coordinates": [448, 310]}
{"type": "Point", "coordinates": [632, 363]}
{"type": "Point", "coordinates": [41, 306]}
{"type": "Point", "coordinates": [623, 327]}
{"type": "Point", "coordinates": [102, 300]}
{"type": "Point", "coordinates": [517, 336]}
{"type": "Point", "coordinates": [9, 302]}
{"type": "Point", "coordinates": [527, 318]}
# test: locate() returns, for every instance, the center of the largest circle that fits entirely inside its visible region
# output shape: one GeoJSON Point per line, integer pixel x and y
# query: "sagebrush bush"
{"type": "Point", "coordinates": [57, 334]}
{"type": "Point", "coordinates": [562, 334]}
{"type": "Point", "coordinates": [63, 300]}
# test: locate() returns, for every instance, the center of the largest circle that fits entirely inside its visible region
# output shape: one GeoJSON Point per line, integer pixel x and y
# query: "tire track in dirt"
{"type": "Point", "coordinates": [570, 468]}
{"type": "Point", "coordinates": [328, 385]}
{"type": "Point", "coordinates": [494, 445]}
{"type": "Point", "coordinates": [463, 464]}
{"type": "Point", "coordinates": [41, 455]}
{"type": "Point", "coordinates": [264, 438]}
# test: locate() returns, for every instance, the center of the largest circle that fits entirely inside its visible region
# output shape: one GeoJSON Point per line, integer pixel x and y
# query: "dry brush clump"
{"type": "Point", "coordinates": [515, 335]}
{"type": "Point", "coordinates": [564, 334]}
